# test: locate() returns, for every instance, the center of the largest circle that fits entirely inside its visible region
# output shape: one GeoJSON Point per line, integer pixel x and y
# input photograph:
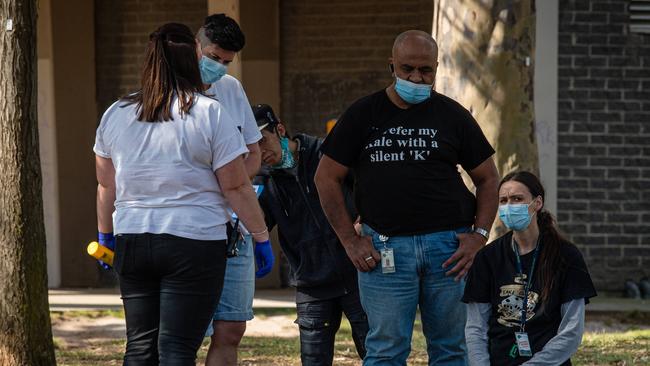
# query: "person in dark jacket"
{"type": "Point", "coordinates": [324, 278]}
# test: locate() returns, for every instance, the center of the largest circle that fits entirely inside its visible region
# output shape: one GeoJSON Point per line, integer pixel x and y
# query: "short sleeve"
{"type": "Point", "coordinates": [577, 282]}
{"type": "Point", "coordinates": [478, 286]}
{"type": "Point", "coordinates": [227, 142]}
{"type": "Point", "coordinates": [101, 148]}
{"type": "Point", "coordinates": [249, 126]}
{"type": "Point", "coordinates": [344, 143]}
{"type": "Point", "coordinates": [475, 148]}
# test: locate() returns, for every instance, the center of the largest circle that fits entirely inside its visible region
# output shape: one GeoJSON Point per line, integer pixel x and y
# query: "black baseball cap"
{"type": "Point", "coordinates": [264, 116]}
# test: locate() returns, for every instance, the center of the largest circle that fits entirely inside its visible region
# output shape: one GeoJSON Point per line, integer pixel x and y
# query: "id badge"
{"type": "Point", "coordinates": [523, 344]}
{"type": "Point", "coordinates": [387, 260]}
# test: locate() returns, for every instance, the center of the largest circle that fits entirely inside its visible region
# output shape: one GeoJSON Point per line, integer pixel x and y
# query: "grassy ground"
{"type": "Point", "coordinates": [629, 346]}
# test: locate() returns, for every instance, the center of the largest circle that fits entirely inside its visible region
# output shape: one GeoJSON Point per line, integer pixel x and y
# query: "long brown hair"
{"type": "Point", "coordinates": [170, 69]}
{"type": "Point", "coordinates": [551, 262]}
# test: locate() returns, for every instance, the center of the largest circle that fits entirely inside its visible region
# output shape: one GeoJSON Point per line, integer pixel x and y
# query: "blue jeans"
{"type": "Point", "coordinates": [236, 302]}
{"type": "Point", "coordinates": [391, 300]}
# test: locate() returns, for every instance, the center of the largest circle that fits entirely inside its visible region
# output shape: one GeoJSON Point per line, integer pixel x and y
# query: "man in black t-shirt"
{"type": "Point", "coordinates": [403, 145]}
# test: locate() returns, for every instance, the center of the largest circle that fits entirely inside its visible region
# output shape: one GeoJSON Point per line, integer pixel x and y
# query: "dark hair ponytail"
{"type": "Point", "coordinates": [171, 68]}
{"type": "Point", "coordinates": [551, 262]}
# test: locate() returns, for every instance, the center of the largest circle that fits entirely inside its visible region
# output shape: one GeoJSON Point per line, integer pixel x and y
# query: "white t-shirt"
{"type": "Point", "coordinates": [230, 93]}
{"type": "Point", "coordinates": [164, 171]}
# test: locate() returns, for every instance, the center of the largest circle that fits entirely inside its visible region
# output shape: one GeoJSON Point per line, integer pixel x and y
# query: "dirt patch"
{"type": "Point", "coordinates": [272, 326]}
{"type": "Point", "coordinates": [83, 331]}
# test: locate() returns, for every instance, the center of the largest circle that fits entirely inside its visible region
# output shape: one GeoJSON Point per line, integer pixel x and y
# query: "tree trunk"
{"type": "Point", "coordinates": [25, 331]}
{"type": "Point", "coordinates": [486, 60]}
{"type": "Point", "coordinates": [486, 63]}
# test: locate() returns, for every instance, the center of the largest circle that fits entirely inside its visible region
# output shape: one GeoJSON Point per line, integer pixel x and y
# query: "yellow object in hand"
{"type": "Point", "coordinates": [100, 252]}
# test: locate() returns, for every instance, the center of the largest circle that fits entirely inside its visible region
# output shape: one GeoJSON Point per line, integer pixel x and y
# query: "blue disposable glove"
{"type": "Point", "coordinates": [264, 258]}
{"type": "Point", "coordinates": [107, 240]}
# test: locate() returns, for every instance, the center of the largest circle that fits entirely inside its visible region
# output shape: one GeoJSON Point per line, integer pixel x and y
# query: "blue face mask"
{"type": "Point", "coordinates": [211, 70]}
{"type": "Point", "coordinates": [412, 93]}
{"type": "Point", "coordinates": [515, 216]}
{"type": "Point", "coordinates": [287, 161]}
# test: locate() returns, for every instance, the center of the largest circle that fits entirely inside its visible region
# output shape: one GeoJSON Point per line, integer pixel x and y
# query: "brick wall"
{"type": "Point", "coordinates": [336, 51]}
{"type": "Point", "coordinates": [122, 31]}
{"type": "Point", "coordinates": [604, 133]}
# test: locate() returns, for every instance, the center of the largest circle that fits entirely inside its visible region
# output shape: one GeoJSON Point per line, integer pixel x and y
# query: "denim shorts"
{"type": "Point", "coordinates": [236, 303]}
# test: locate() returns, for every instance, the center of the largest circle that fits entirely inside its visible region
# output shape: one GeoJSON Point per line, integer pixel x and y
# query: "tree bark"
{"type": "Point", "coordinates": [486, 56]}
{"type": "Point", "coordinates": [25, 330]}
{"type": "Point", "coordinates": [486, 60]}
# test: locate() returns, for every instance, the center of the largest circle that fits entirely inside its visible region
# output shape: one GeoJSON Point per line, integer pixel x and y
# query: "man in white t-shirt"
{"type": "Point", "coordinates": [221, 39]}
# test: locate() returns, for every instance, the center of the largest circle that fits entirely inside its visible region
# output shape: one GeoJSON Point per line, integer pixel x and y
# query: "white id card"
{"type": "Point", "coordinates": [387, 261]}
{"type": "Point", "coordinates": [523, 344]}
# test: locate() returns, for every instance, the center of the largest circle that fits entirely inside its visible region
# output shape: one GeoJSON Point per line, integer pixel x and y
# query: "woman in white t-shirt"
{"type": "Point", "coordinates": [169, 164]}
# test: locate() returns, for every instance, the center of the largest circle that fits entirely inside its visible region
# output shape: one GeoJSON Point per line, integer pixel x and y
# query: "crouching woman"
{"type": "Point", "coordinates": [527, 290]}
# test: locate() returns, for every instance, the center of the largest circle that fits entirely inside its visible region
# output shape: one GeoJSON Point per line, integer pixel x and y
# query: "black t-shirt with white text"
{"type": "Point", "coordinates": [405, 162]}
{"type": "Point", "coordinates": [493, 279]}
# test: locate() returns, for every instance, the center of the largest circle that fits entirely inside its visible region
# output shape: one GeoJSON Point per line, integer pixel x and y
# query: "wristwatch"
{"type": "Point", "coordinates": [482, 232]}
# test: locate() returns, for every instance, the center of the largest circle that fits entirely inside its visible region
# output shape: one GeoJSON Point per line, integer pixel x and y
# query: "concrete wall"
{"type": "Point", "coordinates": [47, 141]}
{"type": "Point", "coordinates": [260, 21]}
{"type": "Point", "coordinates": [336, 51]}
{"type": "Point", "coordinates": [545, 89]}
{"type": "Point", "coordinates": [604, 129]}
{"type": "Point", "coordinates": [73, 61]}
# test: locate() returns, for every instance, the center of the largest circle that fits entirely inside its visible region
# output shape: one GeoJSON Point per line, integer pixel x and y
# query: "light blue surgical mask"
{"type": "Point", "coordinates": [211, 70]}
{"type": "Point", "coordinates": [515, 216]}
{"type": "Point", "coordinates": [287, 161]}
{"type": "Point", "coordinates": [411, 92]}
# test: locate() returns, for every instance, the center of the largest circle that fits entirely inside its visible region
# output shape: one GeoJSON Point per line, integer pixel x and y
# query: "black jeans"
{"type": "Point", "coordinates": [170, 287]}
{"type": "Point", "coordinates": [320, 320]}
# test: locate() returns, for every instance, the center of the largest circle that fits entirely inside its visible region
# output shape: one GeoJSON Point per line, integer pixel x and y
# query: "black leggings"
{"type": "Point", "coordinates": [170, 287]}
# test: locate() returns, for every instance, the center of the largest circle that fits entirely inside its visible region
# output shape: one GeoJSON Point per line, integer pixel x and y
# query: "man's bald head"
{"type": "Point", "coordinates": [415, 39]}
{"type": "Point", "coordinates": [415, 57]}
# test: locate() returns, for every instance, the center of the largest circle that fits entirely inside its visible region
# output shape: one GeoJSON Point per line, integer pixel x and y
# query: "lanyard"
{"type": "Point", "coordinates": [529, 279]}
